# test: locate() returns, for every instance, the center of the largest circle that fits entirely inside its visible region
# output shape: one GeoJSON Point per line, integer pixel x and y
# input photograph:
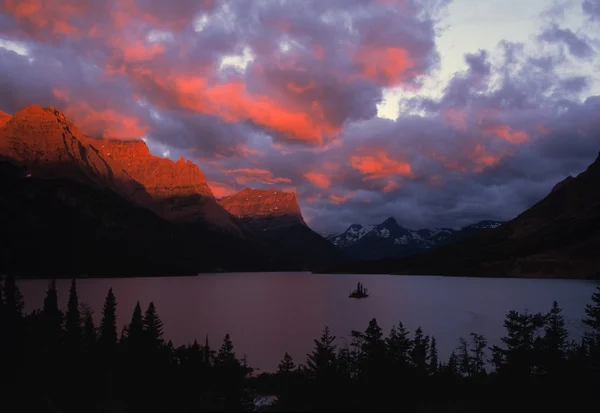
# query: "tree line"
{"type": "Point", "coordinates": [52, 361]}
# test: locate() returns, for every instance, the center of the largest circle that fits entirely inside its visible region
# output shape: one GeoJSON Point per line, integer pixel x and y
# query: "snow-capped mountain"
{"type": "Point", "coordinates": [389, 239]}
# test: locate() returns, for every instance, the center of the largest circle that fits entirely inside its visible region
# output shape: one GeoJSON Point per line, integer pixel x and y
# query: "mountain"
{"type": "Point", "coordinates": [389, 239]}
{"type": "Point", "coordinates": [557, 237]}
{"type": "Point", "coordinates": [77, 202]}
{"type": "Point", "coordinates": [178, 190]}
{"type": "Point", "coordinates": [276, 218]}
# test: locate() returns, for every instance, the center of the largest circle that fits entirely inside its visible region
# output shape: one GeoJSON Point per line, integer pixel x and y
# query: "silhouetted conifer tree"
{"type": "Point", "coordinates": [108, 324]}
{"type": "Point", "coordinates": [419, 354]}
{"type": "Point", "coordinates": [51, 319]}
{"type": "Point", "coordinates": [286, 365]}
{"type": "Point", "coordinates": [592, 320]}
{"type": "Point", "coordinates": [73, 319]}
{"type": "Point", "coordinates": [226, 355]}
{"type": "Point", "coordinates": [452, 368]}
{"type": "Point", "coordinates": [321, 362]}
{"type": "Point", "coordinates": [89, 329]}
{"type": "Point", "coordinates": [478, 353]}
{"type": "Point", "coordinates": [433, 356]}
{"type": "Point", "coordinates": [555, 340]}
{"type": "Point", "coordinates": [13, 300]}
{"type": "Point", "coordinates": [135, 332]}
{"type": "Point", "coordinates": [153, 327]}
{"type": "Point", "coordinates": [399, 345]}
{"type": "Point", "coordinates": [519, 355]}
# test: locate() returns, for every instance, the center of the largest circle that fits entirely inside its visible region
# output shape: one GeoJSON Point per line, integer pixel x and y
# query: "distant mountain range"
{"type": "Point", "coordinates": [73, 205]}
{"type": "Point", "coordinates": [389, 239]}
{"type": "Point", "coordinates": [557, 237]}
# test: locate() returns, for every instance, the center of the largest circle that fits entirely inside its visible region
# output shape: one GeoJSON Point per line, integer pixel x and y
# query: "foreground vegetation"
{"type": "Point", "coordinates": [55, 362]}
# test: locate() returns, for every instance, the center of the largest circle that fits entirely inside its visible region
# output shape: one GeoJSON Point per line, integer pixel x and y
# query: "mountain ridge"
{"type": "Point", "coordinates": [389, 239]}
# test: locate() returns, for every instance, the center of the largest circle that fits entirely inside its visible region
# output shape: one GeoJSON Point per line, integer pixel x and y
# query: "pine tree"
{"type": "Point", "coordinates": [73, 319]}
{"type": "Point", "coordinates": [419, 354]}
{"type": "Point", "coordinates": [153, 327]}
{"type": "Point", "coordinates": [519, 356]}
{"type": "Point", "coordinates": [464, 358]}
{"type": "Point", "coordinates": [592, 311]}
{"type": "Point", "coordinates": [286, 365]}
{"type": "Point", "coordinates": [399, 345]}
{"type": "Point", "coordinates": [51, 318]}
{"type": "Point", "coordinates": [478, 352]}
{"type": "Point", "coordinates": [226, 355]}
{"type": "Point", "coordinates": [89, 329]}
{"type": "Point", "coordinates": [452, 368]}
{"type": "Point", "coordinates": [108, 324]}
{"type": "Point", "coordinates": [433, 356]}
{"type": "Point", "coordinates": [135, 333]}
{"type": "Point", "coordinates": [13, 300]}
{"type": "Point", "coordinates": [554, 343]}
{"type": "Point", "coordinates": [322, 361]}
{"type": "Point", "coordinates": [373, 344]}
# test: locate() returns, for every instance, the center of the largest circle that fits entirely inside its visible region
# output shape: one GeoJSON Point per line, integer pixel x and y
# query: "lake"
{"type": "Point", "coordinates": [267, 314]}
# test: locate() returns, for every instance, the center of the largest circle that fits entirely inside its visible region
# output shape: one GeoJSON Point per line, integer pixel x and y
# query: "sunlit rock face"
{"type": "Point", "coordinates": [264, 209]}
{"type": "Point", "coordinates": [48, 144]}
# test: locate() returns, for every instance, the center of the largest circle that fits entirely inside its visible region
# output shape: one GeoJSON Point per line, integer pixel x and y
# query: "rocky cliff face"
{"type": "Point", "coordinates": [264, 209]}
{"type": "Point", "coordinates": [48, 145]}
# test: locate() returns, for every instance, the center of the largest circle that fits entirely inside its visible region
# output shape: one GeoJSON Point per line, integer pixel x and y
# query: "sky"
{"type": "Point", "coordinates": [436, 112]}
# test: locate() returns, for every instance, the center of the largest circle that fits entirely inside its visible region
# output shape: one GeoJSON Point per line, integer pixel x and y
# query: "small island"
{"type": "Point", "coordinates": [360, 292]}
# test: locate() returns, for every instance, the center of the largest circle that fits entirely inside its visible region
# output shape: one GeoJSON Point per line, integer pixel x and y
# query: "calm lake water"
{"type": "Point", "coordinates": [267, 314]}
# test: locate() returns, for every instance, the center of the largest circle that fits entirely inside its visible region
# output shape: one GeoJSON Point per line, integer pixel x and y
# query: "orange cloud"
{"type": "Point", "coordinates": [220, 189]}
{"type": "Point", "coordinates": [54, 15]}
{"type": "Point", "coordinates": [378, 165]}
{"type": "Point", "coordinates": [317, 178]}
{"type": "Point", "coordinates": [245, 175]}
{"type": "Point", "coordinates": [455, 119]}
{"type": "Point", "coordinates": [391, 186]}
{"type": "Point", "coordinates": [340, 199]}
{"type": "Point", "coordinates": [106, 123]}
{"type": "Point", "coordinates": [232, 102]}
{"type": "Point", "coordinates": [388, 66]}
{"type": "Point", "coordinates": [507, 133]}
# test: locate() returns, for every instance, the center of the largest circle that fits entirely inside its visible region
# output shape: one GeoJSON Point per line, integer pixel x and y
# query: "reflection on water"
{"type": "Point", "coordinates": [267, 314]}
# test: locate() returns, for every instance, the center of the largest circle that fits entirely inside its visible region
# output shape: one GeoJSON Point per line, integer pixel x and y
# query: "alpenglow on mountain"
{"type": "Point", "coordinates": [389, 239]}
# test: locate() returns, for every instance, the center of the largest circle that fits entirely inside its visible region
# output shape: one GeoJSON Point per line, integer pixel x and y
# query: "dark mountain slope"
{"type": "Point", "coordinates": [59, 227]}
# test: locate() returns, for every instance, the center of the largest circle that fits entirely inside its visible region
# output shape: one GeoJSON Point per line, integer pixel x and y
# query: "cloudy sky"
{"type": "Point", "coordinates": [436, 112]}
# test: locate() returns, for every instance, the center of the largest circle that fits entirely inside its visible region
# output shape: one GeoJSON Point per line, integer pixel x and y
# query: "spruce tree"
{"type": "Point", "coordinates": [108, 324]}
{"type": "Point", "coordinates": [399, 345]}
{"type": "Point", "coordinates": [433, 356]}
{"type": "Point", "coordinates": [478, 353]}
{"type": "Point", "coordinates": [286, 365]}
{"type": "Point", "coordinates": [13, 300]}
{"type": "Point", "coordinates": [419, 354]}
{"type": "Point", "coordinates": [452, 368]}
{"type": "Point", "coordinates": [322, 361]}
{"type": "Point", "coordinates": [135, 334]}
{"type": "Point", "coordinates": [153, 327]}
{"type": "Point", "coordinates": [555, 340]}
{"type": "Point", "coordinates": [89, 329]}
{"type": "Point", "coordinates": [226, 355]}
{"type": "Point", "coordinates": [73, 319]}
{"type": "Point", "coordinates": [51, 318]}
{"type": "Point", "coordinates": [592, 320]}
